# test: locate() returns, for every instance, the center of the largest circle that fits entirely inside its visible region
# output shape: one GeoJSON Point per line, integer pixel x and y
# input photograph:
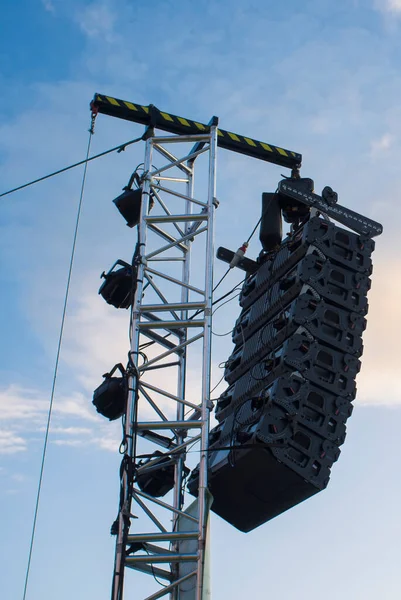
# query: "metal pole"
{"type": "Point", "coordinates": [181, 388]}
{"type": "Point", "coordinates": [206, 365]}
{"type": "Point", "coordinates": [131, 411]}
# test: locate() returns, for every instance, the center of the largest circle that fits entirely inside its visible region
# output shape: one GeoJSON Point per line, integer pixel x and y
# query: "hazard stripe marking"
{"type": "Point", "coordinates": [130, 105]}
{"type": "Point", "coordinates": [167, 117]}
{"type": "Point", "coordinates": [112, 101]}
{"type": "Point", "coordinates": [174, 123]}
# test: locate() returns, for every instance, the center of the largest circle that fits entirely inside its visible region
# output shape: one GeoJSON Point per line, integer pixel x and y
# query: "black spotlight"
{"type": "Point", "coordinates": [110, 398]}
{"type": "Point", "coordinates": [119, 285]}
{"type": "Point", "coordinates": [155, 476]}
{"type": "Point", "coordinates": [129, 205]}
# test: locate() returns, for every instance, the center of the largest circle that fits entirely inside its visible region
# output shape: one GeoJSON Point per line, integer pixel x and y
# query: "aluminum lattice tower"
{"type": "Point", "coordinates": [172, 309]}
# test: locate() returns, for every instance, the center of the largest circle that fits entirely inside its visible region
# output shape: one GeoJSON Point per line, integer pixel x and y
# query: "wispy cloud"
{"type": "Point", "coordinates": [110, 443]}
{"type": "Point", "coordinates": [10, 443]}
{"type": "Point", "coordinates": [390, 6]}
{"type": "Point", "coordinates": [72, 443]}
{"type": "Point", "coordinates": [23, 414]}
{"type": "Point", "coordinates": [21, 404]}
{"type": "Point", "coordinates": [97, 20]}
{"type": "Point", "coordinates": [69, 431]}
{"type": "Point", "coordinates": [49, 6]}
{"type": "Point", "coordinates": [378, 382]}
{"type": "Point", "coordinates": [30, 406]}
{"type": "Point", "coordinates": [381, 145]}
{"type": "Point", "coordinates": [19, 477]}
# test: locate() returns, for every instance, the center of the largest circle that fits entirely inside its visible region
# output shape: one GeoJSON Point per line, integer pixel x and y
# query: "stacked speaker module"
{"type": "Point", "coordinates": [291, 375]}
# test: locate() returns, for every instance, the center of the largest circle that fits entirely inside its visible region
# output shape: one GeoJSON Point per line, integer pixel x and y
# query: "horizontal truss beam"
{"type": "Point", "coordinates": [169, 557]}
{"type": "Point", "coordinates": [145, 425]}
{"type": "Point", "coordinates": [153, 117]}
{"type": "Point", "coordinates": [151, 570]}
{"type": "Point", "coordinates": [162, 537]}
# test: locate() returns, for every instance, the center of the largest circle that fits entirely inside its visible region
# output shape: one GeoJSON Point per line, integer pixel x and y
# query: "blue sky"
{"type": "Point", "coordinates": [318, 77]}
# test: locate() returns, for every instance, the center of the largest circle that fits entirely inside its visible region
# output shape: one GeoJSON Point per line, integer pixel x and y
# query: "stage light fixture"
{"type": "Point", "coordinates": [110, 398]}
{"type": "Point", "coordinates": [119, 285]}
{"type": "Point", "coordinates": [155, 475]}
{"type": "Point", "coordinates": [129, 205]}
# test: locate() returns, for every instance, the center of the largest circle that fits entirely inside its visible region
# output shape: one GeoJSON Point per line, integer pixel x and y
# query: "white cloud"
{"type": "Point", "coordinates": [97, 20]}
{"type": "Point", "coordinates": [20, 404]}
{"type": "Point", "coordinates": [73, 443]}
{"type": "Point", "coordinates": [10, 443]}
{"type": "Point", "coordinates": [109, 443]}
{"type": "Point", "coordinates": [70, 430]}
{"type": "Point", "coordinates": [78, 406]}
{"type": "Point", "coordinates": [19, 477]}
{"type": "Point", "coordinates": [381, 145]}
{"type": "Point", "coordinates": [23, 413]}
{"type": "Point", "coordinates": [49, 6]}
{"type": "Point", "coordinates": [391, 6]}
{"type": "Point", "coordinates": [96, 335]}
{"type": "Point", "coordinates": [30, 406]}
{"type": "Point", "coordinates": [378, 382]}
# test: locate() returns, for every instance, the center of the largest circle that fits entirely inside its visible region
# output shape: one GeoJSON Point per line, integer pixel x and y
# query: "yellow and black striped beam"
{"type": "Point", "coordinates": [150, 115]}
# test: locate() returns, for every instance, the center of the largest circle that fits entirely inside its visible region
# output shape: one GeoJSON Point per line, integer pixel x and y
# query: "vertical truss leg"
{"type": "Point", "coordinates": [175, 233]}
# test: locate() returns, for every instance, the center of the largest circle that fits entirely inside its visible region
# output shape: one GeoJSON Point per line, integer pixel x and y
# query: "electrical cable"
{"type": "Point", "coordinates": [226, 302]}
{"type": "Point", "coordinates": [216, 309]}
{"type": "Point", "coordinates": [254, 229]}
{"type": "Point", "coordinates": [222, 334]}
{"type": "Point", "coordinates": [49, 415]}
{"type": "Point", "coordinates": [230, 267]}
{"type": "Point", "coordinates": [233, 447]}
{"type": "Point", "coordinates": [221, 280]}
{"type": "Point", "coordinates": [152, 569]}
{"type": "Point", "coordinates": [119, 148]}
{"type": "Point", "coordinates": [217, 384]}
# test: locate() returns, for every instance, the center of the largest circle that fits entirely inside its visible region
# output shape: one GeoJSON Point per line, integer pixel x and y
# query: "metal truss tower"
{"type": "Point", "coordinates": [170, 334]}
{"type": "Point", "coordinates": [169, 404]}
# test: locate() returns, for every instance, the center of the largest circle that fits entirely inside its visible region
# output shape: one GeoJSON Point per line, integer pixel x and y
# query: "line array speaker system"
{"type": "Point", "coordinates": [291, 375]}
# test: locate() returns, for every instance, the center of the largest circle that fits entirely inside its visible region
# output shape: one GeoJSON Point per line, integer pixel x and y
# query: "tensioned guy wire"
{"type": "Point", "coordinates": [119, 148]}
{"type": "Point", "coordinates": [49, 415]}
